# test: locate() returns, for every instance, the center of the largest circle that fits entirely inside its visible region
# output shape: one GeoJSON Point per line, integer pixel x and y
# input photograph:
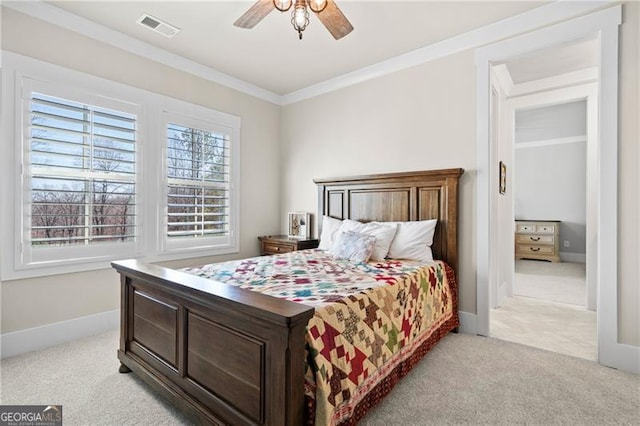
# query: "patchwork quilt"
{"type": "Point", "coordinates": [372, 322]}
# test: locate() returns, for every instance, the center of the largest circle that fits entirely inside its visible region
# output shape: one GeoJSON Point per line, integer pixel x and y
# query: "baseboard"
{"type": "Point", "coordinates": [467, 322]}
{"type": "Point", "coordinates": [622, 357]}
{"type": "Point", "coordinates": [573, 257]}
{"type": "Point", "coordinates": [31, 339]}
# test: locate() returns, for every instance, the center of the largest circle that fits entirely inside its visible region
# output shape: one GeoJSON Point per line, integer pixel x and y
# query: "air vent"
{"type": "Point", "coordinates": [158, 26]}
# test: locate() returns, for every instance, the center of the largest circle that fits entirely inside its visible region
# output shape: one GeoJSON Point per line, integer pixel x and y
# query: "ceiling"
{"type": "Point", "coordinates": [565, 58]}
{"type": "Point", "coordinates": [272, 57]}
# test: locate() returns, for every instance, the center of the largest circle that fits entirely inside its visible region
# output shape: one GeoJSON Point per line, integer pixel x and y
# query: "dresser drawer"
{"type": "Point", "coordinates": [528, 249]}
{"type": "Point", "coordinates": [525, 228]}
{"type": "Point", "coordinates": [273, 248]}
{"type": "Point", "coordinates": [545, 229]}
{"type": "Point", "coordinates": [538, 239]}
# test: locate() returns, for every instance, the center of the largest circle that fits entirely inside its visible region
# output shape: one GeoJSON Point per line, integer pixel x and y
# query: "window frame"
{"type": "Point", "coordinates": [151, 136]}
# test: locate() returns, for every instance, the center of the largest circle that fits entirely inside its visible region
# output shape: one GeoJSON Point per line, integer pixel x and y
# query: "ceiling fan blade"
{"type": "Point", "coordinates": [335, 21]}
{"type": "Point", "coordinates": [255, 14]}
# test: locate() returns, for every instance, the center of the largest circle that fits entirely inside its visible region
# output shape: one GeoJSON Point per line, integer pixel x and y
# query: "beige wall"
{"type": "Point", "coordinates": [629, 177]}
{"type": "Point", "coordinates": [423, 118]}
{"type": "Point", "coordinates": [31, 302]}
{"type": "Point", "coordinates": [417, 119]}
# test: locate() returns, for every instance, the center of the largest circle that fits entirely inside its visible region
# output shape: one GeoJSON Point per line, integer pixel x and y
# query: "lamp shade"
{"type": "Point", "coordinates": [282, 5]}
{"type": "Point", "coordinates": [317, 5]}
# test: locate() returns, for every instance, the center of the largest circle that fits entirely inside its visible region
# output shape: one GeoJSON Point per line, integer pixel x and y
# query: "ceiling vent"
{"type": "Point", "coordinates": [158, 26]}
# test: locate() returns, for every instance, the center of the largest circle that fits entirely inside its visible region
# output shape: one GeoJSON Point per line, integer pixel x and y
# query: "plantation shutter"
{"type": "Point", "coordinates": [198, 182]}
{"type": "Point", "coordinates": [82, 161]}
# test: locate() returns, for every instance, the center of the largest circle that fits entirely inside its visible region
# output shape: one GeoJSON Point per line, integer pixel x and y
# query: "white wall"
{"type": "Point", "coordinates": [550, 181]}
{"type": "Point", "coordinates": [33, 302]}
{"type": "Point", "coordinates": [550, 184]}
{"type": "Point", "coordinates": [551, 122]}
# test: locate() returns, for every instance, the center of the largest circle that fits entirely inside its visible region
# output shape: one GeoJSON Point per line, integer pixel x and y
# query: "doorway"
{"type": "Point", "coordinates": [603, 26]}
{"type": "Point", "coordinates": [546, 139]}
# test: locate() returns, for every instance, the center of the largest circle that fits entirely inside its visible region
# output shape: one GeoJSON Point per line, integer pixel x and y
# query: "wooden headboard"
{"type": "Point", "coordinates": [423, 195]}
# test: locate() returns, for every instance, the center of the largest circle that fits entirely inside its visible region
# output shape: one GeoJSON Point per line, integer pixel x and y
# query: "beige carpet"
{"type": "Point", "coordinates": [548, 310]}
{"type": "Point", "coordinates": [563, 282]}
{"type": "Point", "coordinates": [464, 380]}
{"type": "Point", "coordinates": [558, 327]}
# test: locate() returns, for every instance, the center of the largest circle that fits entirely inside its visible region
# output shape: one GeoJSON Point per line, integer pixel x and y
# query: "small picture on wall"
{"type": "Point", "coordinates": [300, 225]}
{"type": "Point", "coordinates": [503, 178]}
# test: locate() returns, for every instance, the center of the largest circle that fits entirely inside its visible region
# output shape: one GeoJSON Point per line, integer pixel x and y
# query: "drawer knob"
{"type": "Point", "coordinates": [535, 239]}
{"type": "Point", "coordinates": [277, 248]}
{"type": "Point", "coordinates": [535, 248]}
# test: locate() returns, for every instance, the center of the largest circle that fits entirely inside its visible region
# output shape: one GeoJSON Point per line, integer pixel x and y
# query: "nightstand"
{"type": "Point", "coordinates": [276, 244]}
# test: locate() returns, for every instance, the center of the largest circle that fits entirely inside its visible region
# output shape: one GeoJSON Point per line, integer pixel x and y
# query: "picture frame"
{"type": "Point", "coordinates": [503, 178]}
{"type": "Point", "coordinates": [299, 225]}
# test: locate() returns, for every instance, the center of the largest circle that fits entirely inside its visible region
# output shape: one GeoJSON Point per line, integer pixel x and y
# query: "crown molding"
{"type": "Point", "coordinates": [49, 13]}
{"type": "Point", "coordinates": [525, 22]}
{"type": "Point", "coordinates": [536, 18]}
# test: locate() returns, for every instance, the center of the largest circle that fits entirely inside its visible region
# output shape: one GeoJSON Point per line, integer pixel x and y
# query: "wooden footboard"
{"type": "Point", "coordinates": [228, 355]}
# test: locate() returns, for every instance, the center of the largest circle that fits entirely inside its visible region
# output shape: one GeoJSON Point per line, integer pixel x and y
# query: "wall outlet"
{"type": "Point", "coordinates": [566, 243]}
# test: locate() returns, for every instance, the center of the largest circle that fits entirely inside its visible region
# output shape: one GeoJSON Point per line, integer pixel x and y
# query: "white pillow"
{"type": "Point", "coordinates": [413, 240]}
{"type": "Point", "coordinates": [383, 232]}
{"type": "Point", "coordinates": [330, 228]}
{"type": "Point", "coordinates": [354, 246]}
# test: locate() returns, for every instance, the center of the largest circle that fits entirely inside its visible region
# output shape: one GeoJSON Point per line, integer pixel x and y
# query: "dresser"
{"type": "Point", "coordinates": [538, 240]}
{"type": "Point", "coordinates": [276, 244]}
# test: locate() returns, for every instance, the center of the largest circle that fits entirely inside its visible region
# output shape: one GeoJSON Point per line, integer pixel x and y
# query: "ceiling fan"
{"type": "Point", "coordinates": [326, 10]}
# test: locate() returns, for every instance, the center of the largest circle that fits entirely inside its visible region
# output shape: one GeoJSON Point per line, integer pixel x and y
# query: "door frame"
{"type": "Point", "coordinates": [603, 24]}
{"type": "Point", "coordinates": [589, 93]}
{"type": "Point", "coordinates": [502, 224]}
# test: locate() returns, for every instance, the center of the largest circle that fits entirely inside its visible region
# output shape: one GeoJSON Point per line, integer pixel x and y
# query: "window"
{"type": "Point", "coordinates": [82, 172]}
{"type": "Point", "coordinates": [198, 182]}
{"type": "Point", "coordinates": [100, 171]}
{"type": "Point", "coordinates": [79, 176]}
{"type": "Point", "coordinates": [199, 174]}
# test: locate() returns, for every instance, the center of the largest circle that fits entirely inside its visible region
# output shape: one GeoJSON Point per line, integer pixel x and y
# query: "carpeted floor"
{"type": "Point", "coordinates": [562, 282]}
{"type": "Point", "coordinates": [548, 310]}
{"type": "Point", "coordinates": [463, 380]}
{"type": "Point", "coordinates": [558, 327]}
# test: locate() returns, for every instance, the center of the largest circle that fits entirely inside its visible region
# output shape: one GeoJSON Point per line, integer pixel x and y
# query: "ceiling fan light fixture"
{"type": "Point", "coordinates": [300, 17]}
{"type": "Point", "coordinates": [327, 12]}
{"type": "Point", "coordinates": [317, 5]}
{"type": "Point", "coordinates": [283, 5]}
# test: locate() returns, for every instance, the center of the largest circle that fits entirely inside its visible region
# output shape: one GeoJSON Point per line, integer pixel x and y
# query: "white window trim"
{"type": "Point", "coordinates": [151, 137]}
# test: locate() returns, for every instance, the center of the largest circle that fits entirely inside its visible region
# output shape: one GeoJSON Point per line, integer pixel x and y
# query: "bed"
{"type": "Point", "coordinates": [230, 355]}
